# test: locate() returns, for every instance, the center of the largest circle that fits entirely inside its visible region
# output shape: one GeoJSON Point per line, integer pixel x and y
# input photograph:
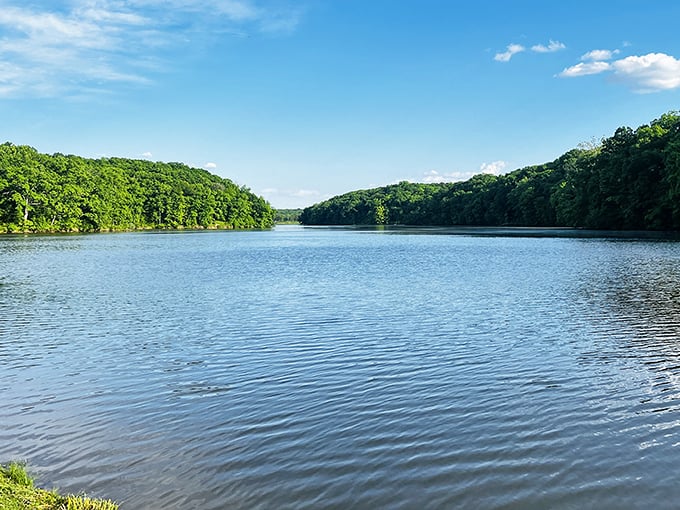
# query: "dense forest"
{"type": "Point", "coordinates": [58, 193]}
{"type": "Point", "coordinates": [287, 215]}
{"type": "Point", "coordinates": [629, 181]}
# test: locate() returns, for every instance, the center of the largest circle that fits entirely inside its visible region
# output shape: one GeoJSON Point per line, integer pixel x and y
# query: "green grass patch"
{"type": "Point", "coordinates": [17, 492]}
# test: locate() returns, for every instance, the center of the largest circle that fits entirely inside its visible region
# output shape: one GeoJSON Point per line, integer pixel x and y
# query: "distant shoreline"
{"type": "Point", "coordinates": [476, 231]}
{"type": "Point", "coordinates": [504, 231]}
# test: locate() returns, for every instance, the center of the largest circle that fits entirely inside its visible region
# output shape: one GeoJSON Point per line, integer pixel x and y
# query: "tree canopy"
{"type": "Point", "coordinates": [287, 215]}
{"type": "Point", "coordinates": [58, 193]}
{"type": "Point", "coordinates": [630, 180]}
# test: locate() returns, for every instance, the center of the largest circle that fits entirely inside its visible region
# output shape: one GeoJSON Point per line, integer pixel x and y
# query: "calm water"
{"type": "Point", "coordinates": [330, 368]}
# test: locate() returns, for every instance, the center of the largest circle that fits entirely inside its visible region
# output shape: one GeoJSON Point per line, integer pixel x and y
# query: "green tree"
{"type": "Point", "coordinates": [44, 193]}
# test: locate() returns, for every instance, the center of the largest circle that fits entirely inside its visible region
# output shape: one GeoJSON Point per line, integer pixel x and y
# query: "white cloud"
{"type": "Point", "coordinates": [235, 10]}
{"type": "Point", "coordinates": [301, 193]}
{"type": "Point", "coordinates": [598, 55]}
{"type": "Point", "coordinates": [495, 167]}
{"type": "Point", "coordinates": [585, 69]}
{"type": "Point", "coordinates": [550, 48]}
{"type": "Point", "coordinates": [434, 176]}
{"type": "Point", "coordinates": [147, 155]}
{"type": "Point", "coordinates": [210, 166]}
{"type": "Point", "coordinates": [653, 72]}
{"type": "Point", "coordinates": [100, 15]}
{"type": "Point", "coordinates": [512, 49]}
{"type": "Point", "coordinates": [649, 73]}
{"type": "Point", "coordinates": [63, 48]}
{"type": "Point", "coordinates": [49, 52]}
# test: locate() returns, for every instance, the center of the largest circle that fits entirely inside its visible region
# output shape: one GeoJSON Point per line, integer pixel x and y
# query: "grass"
{"type": "Point", "coordinates": [17, 492]}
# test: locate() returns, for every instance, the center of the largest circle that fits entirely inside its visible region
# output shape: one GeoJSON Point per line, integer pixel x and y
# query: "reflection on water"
{"type": "Point", "coordinates": [343, 368]}
{"type": "Point", "coordinates": [638, 295]}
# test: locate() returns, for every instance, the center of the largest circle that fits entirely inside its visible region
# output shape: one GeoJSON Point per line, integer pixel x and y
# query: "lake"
{"type": "Point", "coordinates": [344, 368]}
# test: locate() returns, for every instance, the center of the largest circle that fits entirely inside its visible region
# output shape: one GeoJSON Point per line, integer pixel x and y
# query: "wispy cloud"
{"type": "Point", "coordinates": [550, 48]}
{"type": "Point", "coordinates": [511, 50]}
{"type": "Point", "coordinates": [210, 166]}
{"type": "Point", "coordinates": [62, 48]}
{"type": "Point", "coordinates": [600, 55]}
{"type": "Point", "coordinates": [303, 193]}
{"type": "Point", "coordinates": [249, 15]}
{"type": "Point", "coordinates": [652, 72]}
{"type": "Point", "coordinates": [584, 69]}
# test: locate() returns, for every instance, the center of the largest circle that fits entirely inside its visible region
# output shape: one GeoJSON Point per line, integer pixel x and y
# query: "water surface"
{"type": "Point", "coordinates": [338, 368]}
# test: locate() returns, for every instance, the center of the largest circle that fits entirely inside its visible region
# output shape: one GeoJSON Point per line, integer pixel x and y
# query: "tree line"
{"type": "Point", "coordinates": [59, 193]}
{"type": "Point", "coordinates": [629, 181]}
{"type": "Point", "coordinates": [287, 215]}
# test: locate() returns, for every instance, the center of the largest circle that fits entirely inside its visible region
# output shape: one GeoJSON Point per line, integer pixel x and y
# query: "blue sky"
{"type": "Point", "coordinates": [303, 100]}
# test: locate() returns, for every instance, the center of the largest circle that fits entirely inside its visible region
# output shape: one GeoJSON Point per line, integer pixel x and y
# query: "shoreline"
{"type": "Point", "coordinates": [17, 492]}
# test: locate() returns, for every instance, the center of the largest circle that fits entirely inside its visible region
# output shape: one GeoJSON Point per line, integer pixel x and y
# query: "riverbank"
{"type": "Point", "coordinates": [17, 492]}
{"type": "Point", "coordinates": [16, 230]}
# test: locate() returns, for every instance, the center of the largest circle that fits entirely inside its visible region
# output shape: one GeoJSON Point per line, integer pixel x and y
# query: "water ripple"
{"type": "Point", "coordinates": [303, 368]}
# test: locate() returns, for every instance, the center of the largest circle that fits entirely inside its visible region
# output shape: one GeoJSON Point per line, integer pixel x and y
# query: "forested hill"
{"type": "Point", "coordinates": [629, 181]}
{"type": "Point", "coordinates": [57, 193]}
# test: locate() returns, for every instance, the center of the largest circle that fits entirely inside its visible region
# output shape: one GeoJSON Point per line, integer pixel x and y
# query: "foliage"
{"type": "Point", "coordinates": [16, 473]}
{"type": "Point", "coordinates": [628, 181]}
{"type": "Point", "coordinates": [85, 503]}
{"type": "Point", "coordinates": [57, 193]}
{"type": "Point", "coordinates": [17, 493]}
{"type": "Point", "coordinates": [287, 215]}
